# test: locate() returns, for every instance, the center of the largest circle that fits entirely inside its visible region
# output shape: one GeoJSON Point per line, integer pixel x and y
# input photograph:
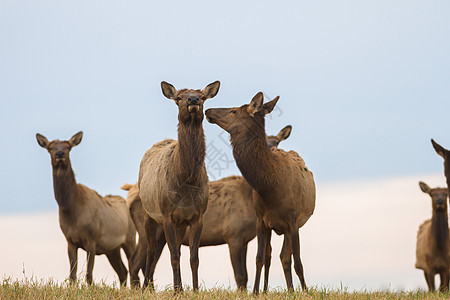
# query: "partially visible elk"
{"type": "Point", "coordinates": [445, 154]}
{"type": "Point", "coordinates": [96, 224]}
{"type": "Point", "coordinates": [173, 183]}
{"type": "Point", "coordinates": [229, 219]}
{"type": "Point", "coordinates": [433, 240]}
{"type": "Point", "coordinates": [283, 188]}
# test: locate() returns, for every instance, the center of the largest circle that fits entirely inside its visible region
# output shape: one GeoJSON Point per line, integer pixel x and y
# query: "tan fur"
{"type": "Point", "coordinates": [162, 197]}
{"type": "Point", "coordinates": [283, 188]}
{"type": "Point", "coordinates": [426, 258]}
{"type": "Point", "coordinates": [99, 225]}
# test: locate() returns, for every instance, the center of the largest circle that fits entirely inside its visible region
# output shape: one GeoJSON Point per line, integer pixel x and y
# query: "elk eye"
{"type": "Point", "coordinates": [178, 98]}
{"type": "Point", "coordinates": [232, 111]}
{"type": "Point", "coordinates": [203, 98]}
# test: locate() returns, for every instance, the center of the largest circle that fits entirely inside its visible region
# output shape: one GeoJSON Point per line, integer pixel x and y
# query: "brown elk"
{"type": "Point", "coordinates": [173, 183]}
{"type": "Point", "coordinates": [445, 154]}
{"type": "Point", "coordinates": [283, 187]}
{"type": "Point", "coordinates": [433, 240]}
{"type": "Point", "coordinates": [96, 224]}
{"type": "Point", "coordinates": [229, 219]}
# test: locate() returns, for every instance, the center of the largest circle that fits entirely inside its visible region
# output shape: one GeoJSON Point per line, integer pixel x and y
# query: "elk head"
{"type": "Point", "coordinates": [244, 118]}
{"type": "Point", "coordinates": [59, 150]}
{"type": "Point", "coordinates": [274, 140]}
{"type": "Point", "coordinates": [190, 102]}
{"type": "Point", "coordinates": [445, 154]}
{"type": "Point", "coordinates": [438, 196]}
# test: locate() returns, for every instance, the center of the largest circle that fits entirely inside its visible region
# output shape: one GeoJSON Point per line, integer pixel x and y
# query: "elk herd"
{"type": "Point", "coordinates": [173, 201]}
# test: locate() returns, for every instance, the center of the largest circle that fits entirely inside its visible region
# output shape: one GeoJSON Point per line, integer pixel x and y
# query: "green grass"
{"type": "Point", "coordinates": [32, 289]}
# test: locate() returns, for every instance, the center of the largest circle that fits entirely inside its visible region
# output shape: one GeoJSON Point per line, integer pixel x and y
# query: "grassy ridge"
{"type": "Point", "coordinates": [31, 289]}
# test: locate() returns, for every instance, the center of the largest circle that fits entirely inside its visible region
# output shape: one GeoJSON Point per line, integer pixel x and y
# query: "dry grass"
{"type": "Point", "coordinates": [32, 289]}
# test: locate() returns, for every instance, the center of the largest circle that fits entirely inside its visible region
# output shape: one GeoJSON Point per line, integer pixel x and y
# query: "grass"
{"type": "Point", "coordinates": [32, 289]}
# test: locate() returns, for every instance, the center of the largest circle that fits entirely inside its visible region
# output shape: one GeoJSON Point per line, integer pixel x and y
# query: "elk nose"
{"type": "Point", "coordinates": [440, 201]}
{"type": "Point", "coordinates": [193, 100]}
{"type": "Point", "coordinates": [59, 154]}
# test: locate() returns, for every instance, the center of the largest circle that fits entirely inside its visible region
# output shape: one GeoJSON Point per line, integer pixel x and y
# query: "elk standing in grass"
{"type": "Point", "coordinates": [173, 183]}
{"type": "Point", "coordinates": [98, 225]}
{"type": "Point", "coordinates": [283, 188]}
{"type": "Point", "coordinates": [433, 241]}
{"type": "Point", "coordinates": [229, 219]}
{"type": "Point", "coordinates": [445, 154]}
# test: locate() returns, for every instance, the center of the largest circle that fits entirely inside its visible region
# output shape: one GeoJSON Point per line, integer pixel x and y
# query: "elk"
{"type": "Point", "coordinates": [445, 154]}
{"type": "Point", "coordinates": [283, 187]}
{"type": "Point", "coordinates": [96, 224]}
{"type": "Point", "coordinates": [173, 183]}
{"type": "Point", "coordinates": [229, 219]}
{"type": "Point", "coordinates": [433, 240]}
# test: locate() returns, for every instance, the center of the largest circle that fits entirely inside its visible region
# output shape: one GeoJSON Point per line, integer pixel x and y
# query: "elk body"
{"type": "Point", "coordinates": [229, 219]}
{"type": "Point", "coordinates": [96, 224]}
{"type": "Point", "coordinates": [283, 187]}
{"type": "Point", "coordinates": [173, 183]}
{"type": "Point", "coordinates": [433, 240]}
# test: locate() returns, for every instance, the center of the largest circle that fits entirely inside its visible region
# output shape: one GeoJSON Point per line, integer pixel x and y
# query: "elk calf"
{"type": "Point", "coordinates": [433, 241]}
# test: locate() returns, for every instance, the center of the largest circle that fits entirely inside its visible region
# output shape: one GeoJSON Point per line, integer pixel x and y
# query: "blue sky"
{"type": "Point", "coordinates": [365, 84]}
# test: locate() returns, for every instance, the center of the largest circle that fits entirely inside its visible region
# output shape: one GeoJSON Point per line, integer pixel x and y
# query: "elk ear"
{"type": "Point", "coordinates": [424, 187]}
{"type": "Point", "coordinates": [256, 104]}
{"type": "Point", "coordinates": [211, 90]}
{"type": "Point", "coordinates": [127, 187]}
{"type": "Point", "coordinates": [76, 139]}
{"type": "Point", "coordinates": [268, 107]}
{"type": "Point", "coordinates": [439, 149]}
{"type": "Point", "coordinates": [42, 140]}
{"type": "Point", "coordinates": [284, 133]}
{"type": "Point", "coordinates": [169, 90]}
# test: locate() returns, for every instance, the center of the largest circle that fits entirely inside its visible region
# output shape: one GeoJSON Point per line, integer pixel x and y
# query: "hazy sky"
{"type": "Point", "coordinates": [365, 84]}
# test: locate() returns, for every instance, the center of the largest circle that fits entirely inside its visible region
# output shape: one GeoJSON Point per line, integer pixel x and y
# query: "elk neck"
{"type": "Point", "coordinates": [439, 227]}
{"type": "Point", "coordinates": [253, 158]}
{"type": "Point", "coordinates": [64, 186]}
{"type": "Point", "coordinates": [190, 152]}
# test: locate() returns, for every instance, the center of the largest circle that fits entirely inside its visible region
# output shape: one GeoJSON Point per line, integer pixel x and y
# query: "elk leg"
{"type": "Point", "coordinates": [171, 239]}
{"type": "Point", "coordinates": [137, 261]}
{"type": "Point", "coordinates": [130, 250]}
{"type": "Point", "coordinates": [243, 255]}
{"type": "Point", "coordinates": [72, 250]}
{"type": "Point", "coordinates": [160, 243]}
{"type": "Point", "coordinates": [295, 245]}
{"type": "Point", "coordinates": [116, 262]}
{"type": "Point", "coordinates": [240, 272]}
{"type": "Point", "coordinates": [260, 233]}
{"type": "Point", "coordinates": [194, 244]}
{"type": "Point", "coordinates": [267, 259]}
{"type": "Point", "coordinates": [150, 232]}
{"type": "Point", "coordinates": [286, 262]}
{"type": "Point", "coordinates": [430, 280]}
{"type": "Point", "coordinates": [444, 281]}
{"type": "Point", "coordinates": [90, 249]}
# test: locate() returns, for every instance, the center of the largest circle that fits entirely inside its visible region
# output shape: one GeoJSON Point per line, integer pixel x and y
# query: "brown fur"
{"type": "Point", "coordinates": [229, 219]}
{"type": "Point", "coordinates": [98, 225]}
{"type": "Point", "coordinates": [433, 240]}
{"type": "Point", "coordinates": [173, 184]}
{"type": "Point", "coordinates": [283, 187]}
